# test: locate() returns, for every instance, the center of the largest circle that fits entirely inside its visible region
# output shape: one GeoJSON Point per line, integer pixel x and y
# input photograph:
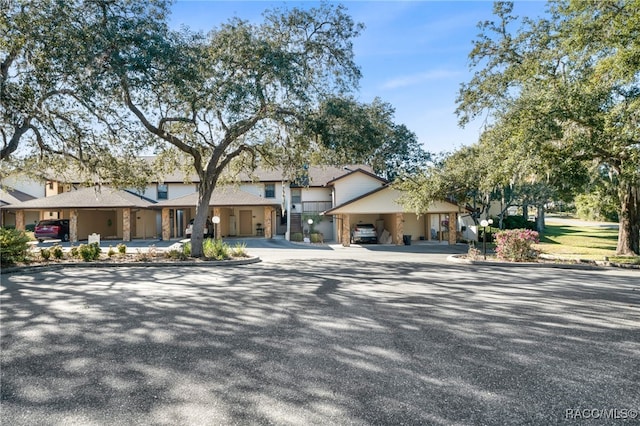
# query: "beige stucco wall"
{"type": "Point", "coordinates": [97, 221]}
{"type": "Point", "coordinates": [353, 186]}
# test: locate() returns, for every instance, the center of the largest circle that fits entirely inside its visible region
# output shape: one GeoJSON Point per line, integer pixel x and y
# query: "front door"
{"type": "Point", "coordinates": [246, 225]}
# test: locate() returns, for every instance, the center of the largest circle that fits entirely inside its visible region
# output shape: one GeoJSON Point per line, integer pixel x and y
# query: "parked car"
{"type": "Point", "coordinates": [188, 231]}
{"type": "Point", "coordinates": [364, 233]}
{"type": "Point", "coordinates": [52, 229]}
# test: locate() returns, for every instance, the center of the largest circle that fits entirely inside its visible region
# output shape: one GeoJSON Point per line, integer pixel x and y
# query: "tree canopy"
{"type": "Point", "coordinates": [563, 90]}
{"type": "Point", "coordinates": [53, 109]}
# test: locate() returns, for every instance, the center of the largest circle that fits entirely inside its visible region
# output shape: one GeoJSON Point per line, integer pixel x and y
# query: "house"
{"type": "Point", "coordinates": [362, 197]}
{"type": "Point", "coordinates": [264, 203]}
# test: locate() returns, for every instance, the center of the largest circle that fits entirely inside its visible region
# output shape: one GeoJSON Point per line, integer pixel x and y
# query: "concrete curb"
{"type": "Point", "coordinates": [461, 259]}
{"type": "Point", "coordinates": [197, 263]}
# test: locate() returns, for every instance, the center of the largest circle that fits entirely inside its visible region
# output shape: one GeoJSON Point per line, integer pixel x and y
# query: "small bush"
{"type": "Point", "coordinates": [74, 252]}
{"type": "Point", "coordinates": [142, 256]}
{"type": "Point", "coordinates": [57, 252]}
{"type": "Point", "coordinates": [89, 252]}
{"type": "Point", "coordinates": [515, 244]}
{"type": "Point", "coordinates": [317, 237]}
{"type": "Point", "coordinates": [13, 246]}
{"type": "Point", "coordinates": [111, 252]}
{"type": "Point", "coordinates": [30, 227]}
{"type": "Point", "coordinates": [122, 249]}
{"type": "Point", "coordinates": [297, 236]}
{"type": "Point", "coordinates": [215, 249]}
{"type": "Point", "coordinates": [45, 254]}
{"type": "Point", "coordinates": [186, 249]}
{"type": "Point", "coordinates": [175, 254]}
{"type": "Point", "coordinates": [517, 222]}
{"type": "Point", "coordinates": [473, 253]}
{"type": "Point", "coordinates": [240, 250]}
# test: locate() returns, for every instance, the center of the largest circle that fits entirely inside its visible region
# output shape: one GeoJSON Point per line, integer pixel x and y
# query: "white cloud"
{"type": "Point", "coordinates": [414, 79]}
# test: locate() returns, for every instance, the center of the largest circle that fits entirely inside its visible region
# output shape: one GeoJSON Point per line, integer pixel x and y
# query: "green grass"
{"type": "Point", "coordinates": [578, 242]}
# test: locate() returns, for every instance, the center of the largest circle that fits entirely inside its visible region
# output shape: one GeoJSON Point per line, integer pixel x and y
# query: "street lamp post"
{"type": "Point", "coordinates": [485, 223]}
{"type": "Point", "coordinates": [216, 221]}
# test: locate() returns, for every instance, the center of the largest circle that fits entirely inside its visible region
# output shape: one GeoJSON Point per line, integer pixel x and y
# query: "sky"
{"type": "Point", "coordinates": [412, 54]}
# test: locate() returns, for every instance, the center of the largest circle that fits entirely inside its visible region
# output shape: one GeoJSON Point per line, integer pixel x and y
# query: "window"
{"type": "Point", "coordinates": [269, 190]}
{"type": "Point", "coordinates": [296, 195]}
{"type": "Point", "coordinates": [163, 191]}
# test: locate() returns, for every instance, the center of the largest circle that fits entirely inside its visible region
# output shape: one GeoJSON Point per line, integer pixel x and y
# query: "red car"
{"type": "Point", "coordinates": [52, 229]}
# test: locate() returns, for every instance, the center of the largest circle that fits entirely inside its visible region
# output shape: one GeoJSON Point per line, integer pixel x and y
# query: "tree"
{"type": "Point", "coordinates": [237, 95]}
{"type": "Point", "coordinates": [349, 132]}
{"type": "Point", "coordinates": [52, 108]}
{"type": "Point", "coordinates": [569, 88]}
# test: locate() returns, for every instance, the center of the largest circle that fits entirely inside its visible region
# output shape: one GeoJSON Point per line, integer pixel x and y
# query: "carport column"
{"type": "Point", "coordinates": [20, 220]}
{"type": "Point", "coordinates": [126, 224]}
{"type": "Point", "coordinates": [73, 225]}
{"type": "Point", "coordinates": [453, 227]}
{"type": "Point", "coordinates": [166, 224]}
{"type": "Point", "coordinates": [399, 228]}
{"type": "Point", "coordinates": [345, 233]}
{"type": "Point", "coordinates": [268, 232]}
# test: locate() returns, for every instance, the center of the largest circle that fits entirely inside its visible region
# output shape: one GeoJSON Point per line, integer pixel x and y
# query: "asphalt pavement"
{"type": "Point", "coordinates": [321, 335]}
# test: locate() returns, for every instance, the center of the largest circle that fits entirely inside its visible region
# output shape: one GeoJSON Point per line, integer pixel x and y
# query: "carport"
{"type": "Point", "coordinates": [114, 214]}
{"type": "Point", "coordinates": [241, 214]}
{"type": "Point", "coordinates": [381, 208]}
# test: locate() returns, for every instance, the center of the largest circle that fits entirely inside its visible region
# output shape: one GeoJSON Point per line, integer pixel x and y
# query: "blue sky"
{"type": "Point", "coordinates": [413, 54]}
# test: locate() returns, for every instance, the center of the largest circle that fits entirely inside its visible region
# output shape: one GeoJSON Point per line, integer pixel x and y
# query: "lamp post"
{"type": "Point", "coordinates": [485, 223]}
{"type": "Point", "coordinates": [216, 221]}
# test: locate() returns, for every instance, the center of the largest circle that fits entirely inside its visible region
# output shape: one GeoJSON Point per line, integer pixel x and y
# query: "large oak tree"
{"type": "Point", "coordinates": [239, 94]}
{"type": "Point", "coordinates": [567, 88]}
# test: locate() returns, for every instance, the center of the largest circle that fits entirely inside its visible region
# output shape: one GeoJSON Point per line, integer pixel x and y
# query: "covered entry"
{"type": "Point", "coordinates": [380, 207]}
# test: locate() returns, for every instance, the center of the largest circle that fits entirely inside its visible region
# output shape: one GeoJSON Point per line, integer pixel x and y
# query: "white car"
{"type": "Point", "coordinates": [188, 231]}
{"type": "Point", "coordinates": [364, 233]}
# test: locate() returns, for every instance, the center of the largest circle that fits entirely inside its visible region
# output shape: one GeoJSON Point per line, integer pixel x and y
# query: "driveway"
{"type": "Point", "coordinates": [362, 336]}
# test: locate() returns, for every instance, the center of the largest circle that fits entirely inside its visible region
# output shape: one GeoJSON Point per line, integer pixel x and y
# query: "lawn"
{"type": "Point", "coordinates": [581, 242]}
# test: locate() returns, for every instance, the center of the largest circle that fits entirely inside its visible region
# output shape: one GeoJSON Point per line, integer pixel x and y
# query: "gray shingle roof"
{"type": "Point", "coordinates": [12, 196]}
{"type": "Point", "coordinates": [85, 198]}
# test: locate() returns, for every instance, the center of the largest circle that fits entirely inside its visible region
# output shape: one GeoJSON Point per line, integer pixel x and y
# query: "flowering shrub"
{"type": "Point", "coordinates": [515, 244]}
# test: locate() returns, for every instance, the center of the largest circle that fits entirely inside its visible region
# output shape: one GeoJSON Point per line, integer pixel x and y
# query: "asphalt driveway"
{"type": "Point", "coordinates": [321, 336]}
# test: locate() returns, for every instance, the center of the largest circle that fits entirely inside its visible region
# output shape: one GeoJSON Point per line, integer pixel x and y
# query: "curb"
{"type": "Point", "coordinates": [458, 258]}
{"type": "Point", "coordinates": [201, 263]}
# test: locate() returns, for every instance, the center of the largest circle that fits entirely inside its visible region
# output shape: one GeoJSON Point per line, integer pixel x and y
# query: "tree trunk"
{"type": "Point", "coordinates": [540, 220]}
{"type": "Point", "coordinates": [205, 189]}
{"type": "Point", "coordinates": [629, 229]}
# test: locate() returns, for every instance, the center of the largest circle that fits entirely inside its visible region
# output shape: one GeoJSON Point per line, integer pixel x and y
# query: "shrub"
{"type": "Point", "coordinates": [186, 249]}
{"type": "Point", "coordinates": [515, 244]}
{"type": "Point", "coordinates": [175, 254]}
{"type": "Point", "coordinates": [30, 227]}
{"type": "Point", "coordinates": [74, 252]}
{"type": "Point", "coordinates": [473, 252]}
{"type": "Point", "coordinates": [317, 237]}
{"type": "Point", "coordinates": [111, 252]}
{"type": "Point", "coordinates": [517, 222]}
{"type": "Point", "coordinates": [297, 236]}
{"type": "Point", "coordinates": [57, 252]}
{"type": "Point", "coordinates": [45, 254]}
{"type": "Point", "coordinates": [215, 249]}
{"type": "Point", "coordinates": [142, 256]}
{"type": "Point", "coordinates": [122, 249]}
{"type": "Point", "coordinates": [13, 246]}
{"type": "Point", "coordinates": [240, 250]}
{"type": "Point", "coordinates": [89, 252]}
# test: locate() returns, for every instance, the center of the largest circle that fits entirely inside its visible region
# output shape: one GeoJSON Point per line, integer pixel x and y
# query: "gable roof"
{"type": "Point", "coordinates": [358, 170]}
{"type": "Point", "coordinates": [226, 196]}
{"type": "Point", "coordinates": [12, 196]}
{"type": "Point", "coordinates": [85, 198]}
{"type": "Point", "coordinates": [318, 175]}
{"type": "Point", "coordinates": [384, 200]}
